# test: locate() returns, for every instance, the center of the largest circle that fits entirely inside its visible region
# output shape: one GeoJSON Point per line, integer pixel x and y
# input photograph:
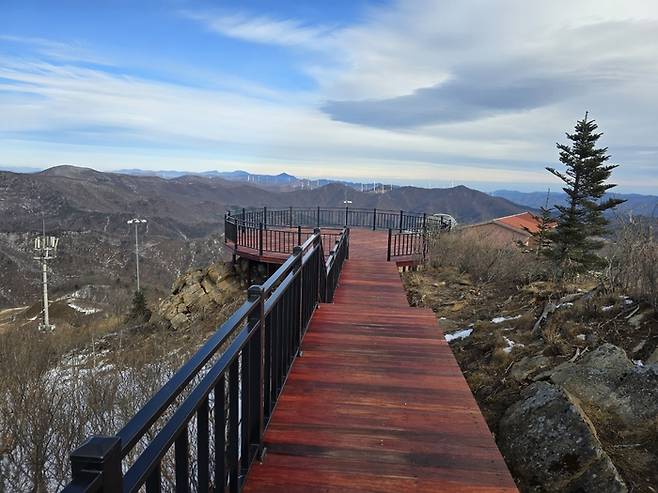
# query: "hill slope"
{"type": "Point", "coordinates": [88, 210]}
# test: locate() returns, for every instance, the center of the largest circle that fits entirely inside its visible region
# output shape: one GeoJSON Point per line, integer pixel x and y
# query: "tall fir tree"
{"type": "Point", "coordinates": [575, 241]}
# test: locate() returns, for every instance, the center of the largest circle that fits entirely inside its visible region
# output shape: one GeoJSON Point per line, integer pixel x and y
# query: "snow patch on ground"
{"type": "Point", "coordinates": [460, 334]}
{"type": "Point", "coordinates": [510, 345]}
{"type": "Point", "coordinates": [81, 309]}
{"type": "Point", "coordinates": [499, 320]}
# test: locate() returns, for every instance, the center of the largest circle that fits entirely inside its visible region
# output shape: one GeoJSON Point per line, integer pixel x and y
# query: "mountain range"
{"type": "Point", "coordinates": [636, 204]}
{"type": "Point", "coordinates": [89, 211]}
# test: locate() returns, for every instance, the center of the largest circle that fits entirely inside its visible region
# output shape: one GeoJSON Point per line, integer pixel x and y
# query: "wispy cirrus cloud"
{"type": "Point", "coordinates": [56, 50]}
{"type": "Point", "coordinates": [263, 29]}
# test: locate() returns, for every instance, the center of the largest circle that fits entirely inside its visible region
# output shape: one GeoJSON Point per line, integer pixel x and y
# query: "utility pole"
{"type": "Point", "coordinates": [136, 222]}
{"type": "Point", "coordinates": [46, 249]}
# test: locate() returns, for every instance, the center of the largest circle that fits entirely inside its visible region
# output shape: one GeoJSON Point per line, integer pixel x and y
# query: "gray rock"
{"type": "Point", "coordinates": [610, 386]}
{"type": "Point", "coordinates": [179, 321]}
{"type": "Point", "coordinates": [552, 446]}
{"type": "Point", "coordinates": [528, 366]}
{"type": "Point", "coordinates": [653, 359]}
{"type": "Point", "coordinates": [590, 379]}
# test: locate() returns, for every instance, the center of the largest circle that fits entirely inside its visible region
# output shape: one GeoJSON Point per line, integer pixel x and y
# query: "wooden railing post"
{"type": "Point", "coordinates": [99, 456]}
{"type": "Point", "coordinates": [260, 239]}
{"type": "Point", "coordinates": [401, 215]}
{"type": "Point", "coordinates": [347, 212]}
{"type": "Point", "coordinates": [299, 235]}
{"type": "Point", "coordinates": [374, 219]}
{"type": "Point", "coordinates": [265, 217]}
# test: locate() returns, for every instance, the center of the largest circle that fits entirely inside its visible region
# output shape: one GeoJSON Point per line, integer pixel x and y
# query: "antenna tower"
{"type": "Point", "coordinates": [45, 248]}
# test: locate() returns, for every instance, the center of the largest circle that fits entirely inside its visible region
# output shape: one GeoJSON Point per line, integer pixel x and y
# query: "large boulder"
{"type": "Point", "coordinates": [614, 391]}
{"type": "Point", "coordinates": [551, 445]}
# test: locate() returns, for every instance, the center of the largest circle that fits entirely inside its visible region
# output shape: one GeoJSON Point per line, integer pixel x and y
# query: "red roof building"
{"type": "Point", "coordinates": [513, 229]}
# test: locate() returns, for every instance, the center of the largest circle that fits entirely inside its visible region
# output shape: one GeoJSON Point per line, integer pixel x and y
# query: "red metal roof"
{"type": "Point", "coordinates": [524, 221]}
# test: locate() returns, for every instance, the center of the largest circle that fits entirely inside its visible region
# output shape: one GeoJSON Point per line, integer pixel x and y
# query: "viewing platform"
{"type": "Point", "coordinates": [324, 380]}
{"type": "Point", "coordinates": [269, 235]}
{"type": "Point", "coordinates": [377, 403]}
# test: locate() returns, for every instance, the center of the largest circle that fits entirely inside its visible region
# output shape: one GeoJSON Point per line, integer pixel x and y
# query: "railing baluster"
{"type": "Point", "coordinates": [154, 481]}
{"type": "Point", "coordinates": [220, 436]}
{"type": "Point", "coordinates": [203, 448]}
{"type": "Point", "coordinates": [233, 450]}
{"type": "Point", "coordinates": [181, 451]}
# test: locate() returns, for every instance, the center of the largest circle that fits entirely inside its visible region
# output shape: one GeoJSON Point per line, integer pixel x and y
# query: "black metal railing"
{"type": "Point", "coordinates": [214, 410]}
{"type": "Point", "coordinates": [409, 244]}
{"type": "Point", "coordinates": [278, 230]}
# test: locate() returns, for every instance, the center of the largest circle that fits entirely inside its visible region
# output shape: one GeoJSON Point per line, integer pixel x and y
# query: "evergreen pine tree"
{"type": "Point", "coordinates": [139, 311]}
{"type": "Point", "coordinates": [576, 239]}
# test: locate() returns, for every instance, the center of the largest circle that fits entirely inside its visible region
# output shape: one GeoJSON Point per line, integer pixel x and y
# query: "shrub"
{"type": "Point", "coordinates": [633, 261]}
{"type": "Point", "coordinates": [483, 260]}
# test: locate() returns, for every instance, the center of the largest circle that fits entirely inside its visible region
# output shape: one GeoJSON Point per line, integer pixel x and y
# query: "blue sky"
{"type": "Point", "coordinates": [429, 92]}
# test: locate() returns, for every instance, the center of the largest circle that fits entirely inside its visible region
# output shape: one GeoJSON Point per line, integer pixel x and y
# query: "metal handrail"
{"type": "Point", "coordinates": [264, 336]}
{"type": "Point", "coordinates": [331, 216]}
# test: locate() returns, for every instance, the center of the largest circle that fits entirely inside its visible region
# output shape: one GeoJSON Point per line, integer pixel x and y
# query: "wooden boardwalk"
{"type": "Point", "coordinates": [377, 403]}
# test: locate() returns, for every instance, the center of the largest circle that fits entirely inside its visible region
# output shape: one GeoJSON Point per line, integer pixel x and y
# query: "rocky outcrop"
{"type": "Point", "coordinates": [614, 390]}
{"type": "Point", "coordinates": [197, 294]}
{"type": "Point", "coordinates": [552, 446]}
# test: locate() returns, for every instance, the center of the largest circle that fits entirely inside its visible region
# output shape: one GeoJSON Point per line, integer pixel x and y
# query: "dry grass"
{"type": "Point", "coordinates": [633, 261]}
{"type": "Point", "coordinates": [483, 260]}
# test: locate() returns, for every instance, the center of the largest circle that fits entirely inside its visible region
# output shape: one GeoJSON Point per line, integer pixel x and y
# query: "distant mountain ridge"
{"type": "Point", "coordinates": [88, 210]}
{"type": "Point", "coordinates": [636, 204]}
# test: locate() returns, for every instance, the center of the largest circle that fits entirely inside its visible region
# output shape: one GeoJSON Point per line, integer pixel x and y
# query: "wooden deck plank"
{"type": "Point", "coordinates": [377, 403]}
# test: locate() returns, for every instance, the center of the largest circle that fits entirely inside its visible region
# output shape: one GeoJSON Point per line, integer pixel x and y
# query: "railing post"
{"type": "Point", "coordinates": [318, 216]}
{"type": "Point", "coordinates": [291, 216]}
{"type": "Point", "coordinates": [320, 265]}
{"type": "Point", "coordinates": [401, 214]}
{"type": "Point", "coordinates": [347, 211]}
{"type": "Point", "coordinates": [265, 217]}
{"type": "Point", "coordinates": [297, 251]}
{"type": "Point", "coordinates": [255, 293]}
{"type": "Point", "coordinates": [388, 255]}
{"type": "Point", "coordinates": [260, 239]}
{"type": "Point", "coordinates": [374, 219]}
{"type": "Point", "coordinates": [100, 455]}
{"type": "Point", "coordinates": [424, 220]}
{"type": "Point", "coordinates": [299, 235]}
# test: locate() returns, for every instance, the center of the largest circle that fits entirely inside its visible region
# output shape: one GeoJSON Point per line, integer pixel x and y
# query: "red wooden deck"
{"type": "Point", "coordinates": [377, 403]}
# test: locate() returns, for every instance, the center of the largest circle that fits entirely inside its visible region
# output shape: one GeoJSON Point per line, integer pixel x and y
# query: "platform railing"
{"type": "Point", "coordinates": [333, 217]}
{"type": "Point", "coordinates": [408, 244]}
{"type": "Point", "coordinates": [278, 230]}
{"type": "Point", "coordinates": [214, 410]}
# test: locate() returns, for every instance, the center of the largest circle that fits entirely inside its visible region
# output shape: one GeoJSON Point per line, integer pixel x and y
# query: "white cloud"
{"type": "Point", "coordinates": [262, 29]}
{"type": "Point", "coordinates": [123, 121]}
